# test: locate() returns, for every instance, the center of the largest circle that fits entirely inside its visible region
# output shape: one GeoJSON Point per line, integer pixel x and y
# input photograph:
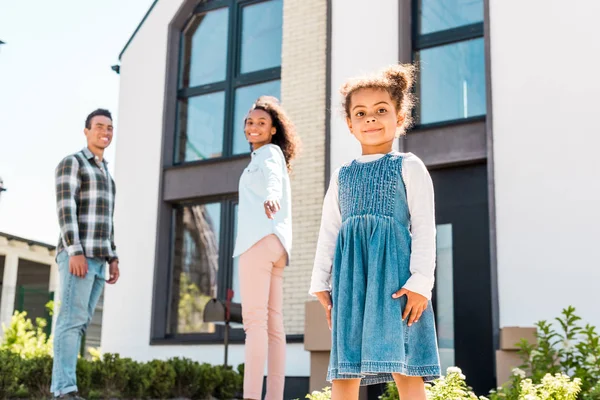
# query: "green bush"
{"type": "Point", "coordinates": [162, 379]}
{"type": "Point", "coordinates": [26, 371]}
{"type": "Point", "coordinates": [571, 351]}
{"type": "Point", "coordinates": [138, 379]}
{"type": "Point", "coordinates": [84, 376]}
{"type": "Point", "coordinates": [9, 371]}
{"type": "Point", "coordinates": [187, 377]}
{"type": "Point", "coordinates": [325, 394]}
{"type": "Point", "coordinates": [209, 379]}
{"type": "Point", "coordinates": [452, 386]}
{"type": "Point", "coordinates": [24, 337]}
{"type": "Point", "coordinates": [109, 376]}
{"type": "Point", "coordinates": [230, 383]}
{"type": "Point", "coordinates": [36, 376]}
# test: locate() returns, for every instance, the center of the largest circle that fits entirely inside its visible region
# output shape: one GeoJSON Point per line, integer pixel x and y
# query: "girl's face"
{"type": "Point", "coordinates": [259, 128]}
{"type": "Point", "coordinates": [374, 120]}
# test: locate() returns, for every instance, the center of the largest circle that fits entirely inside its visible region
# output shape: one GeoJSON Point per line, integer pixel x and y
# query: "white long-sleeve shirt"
{"type": "Point", "coordinates": [265, 178]}
{"type": "Point", "coordinates": [420, 198]}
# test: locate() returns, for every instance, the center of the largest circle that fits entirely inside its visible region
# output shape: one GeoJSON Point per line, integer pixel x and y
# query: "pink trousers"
{"type": "Point", "coordinates": [261, 287]}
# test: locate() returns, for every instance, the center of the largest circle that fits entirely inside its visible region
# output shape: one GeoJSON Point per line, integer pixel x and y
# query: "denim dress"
{"type": "Point", "coordinates": [369, 338]}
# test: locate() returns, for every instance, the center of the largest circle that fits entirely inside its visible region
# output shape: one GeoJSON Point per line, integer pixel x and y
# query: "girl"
{"type": "Point", "coordinates": [264, 242]}
{"type": "Point", "coordinates": [374, 267]}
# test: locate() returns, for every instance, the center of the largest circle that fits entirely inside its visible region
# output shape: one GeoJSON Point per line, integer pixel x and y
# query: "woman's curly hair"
{"type": "Point", "coordinates": [397, 80]}
{"type": "Point", "coordinates": [285, 136]}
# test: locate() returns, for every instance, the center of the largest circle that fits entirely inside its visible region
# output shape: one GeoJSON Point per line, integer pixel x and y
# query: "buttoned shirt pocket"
{"type": "Point", "coordinates": [254, 179]}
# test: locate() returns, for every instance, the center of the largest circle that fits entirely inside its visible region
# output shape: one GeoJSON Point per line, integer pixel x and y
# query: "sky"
{"type": "Point", "coordinates": [55, 68]}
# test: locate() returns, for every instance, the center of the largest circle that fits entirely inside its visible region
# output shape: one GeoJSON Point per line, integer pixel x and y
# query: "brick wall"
{"type": "Point", "coordinates": [303, 85]}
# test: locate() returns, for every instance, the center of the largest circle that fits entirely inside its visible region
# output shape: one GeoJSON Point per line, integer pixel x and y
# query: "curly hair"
{"type": "Point", "coordinates": [285, 137]}
{"type": "Point", "coordinates": [397, 80]}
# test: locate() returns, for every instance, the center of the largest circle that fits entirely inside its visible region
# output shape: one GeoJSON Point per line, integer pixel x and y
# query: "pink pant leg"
{"type": "Point", "coordinates": [261, 284]}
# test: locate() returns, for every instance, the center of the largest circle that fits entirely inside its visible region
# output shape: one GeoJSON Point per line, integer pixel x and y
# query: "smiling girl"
{"type": "Point", "coordinates": [264, 243]}
{"type": "Point", "coordinates": [375, 260]}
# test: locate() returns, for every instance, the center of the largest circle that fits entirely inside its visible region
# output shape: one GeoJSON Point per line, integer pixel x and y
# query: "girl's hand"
{"type": "Point", "coordinates": [415, 305]}
{"type": "Point", "coordinates": [325, 300]}
{"type": "Point", "coordinates": [271, 207]}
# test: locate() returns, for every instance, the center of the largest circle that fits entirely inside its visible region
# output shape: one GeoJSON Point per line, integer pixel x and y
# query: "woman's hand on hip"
{"type": "Point", "coordinates": [271, 207]}
{"type": "Point", "coordinates": [325, 300]}
{"type": "Point", "coordinates": [415, 305]}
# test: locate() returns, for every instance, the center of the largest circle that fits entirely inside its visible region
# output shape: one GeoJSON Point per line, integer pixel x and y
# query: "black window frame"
{"type": "Point", "coordinates": [228, 203]}
{"type": "Point", "coordinates": [233, 78]}
{"type": "Point", "coordinates": [440, 38]}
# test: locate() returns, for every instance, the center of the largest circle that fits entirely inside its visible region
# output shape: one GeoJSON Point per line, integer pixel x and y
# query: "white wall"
{"type": "Point", "coordinates": [128, 304]}
{"type": "Point", "coordinates": [364, 40]}
{"type": "Point", "coordinates": [545, 87]}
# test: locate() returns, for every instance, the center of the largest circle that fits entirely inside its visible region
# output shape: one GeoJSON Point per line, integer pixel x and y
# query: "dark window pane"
{"type": "Point", "coordinates": [439, 15]}
{"type": "Point", "coordinates": [195, 267]}
{"type": "Point", "coordinates": [444, 291]}
{"type": "Point", "coordinates": [244, 97]}
{"type": "Point", "coordinates": [205, 49]}
{"type": "Point", "coordinates": [200, 127]}
{"type": "Point", "coordinates": [261, 36]}
{"type": "Point", "coordinates": [452, 82]}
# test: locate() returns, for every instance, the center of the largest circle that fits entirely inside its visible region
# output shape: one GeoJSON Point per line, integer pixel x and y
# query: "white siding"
{"type": "Point", "coordinates": [364, 40]}
{"type": "Point", "coordinates": [545, 88]}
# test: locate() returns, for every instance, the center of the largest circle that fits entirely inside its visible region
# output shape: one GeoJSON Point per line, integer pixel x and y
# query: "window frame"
{"type": "Point", "coordinates": [233, 78]}
{"type": "Point", "coordinates": [224, 275]}
{"type": "Point", "coordinates": [420, 42]}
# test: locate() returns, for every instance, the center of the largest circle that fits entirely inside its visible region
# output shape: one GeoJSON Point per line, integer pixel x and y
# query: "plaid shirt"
{"type": "Point", "coordinates": [85, 201]}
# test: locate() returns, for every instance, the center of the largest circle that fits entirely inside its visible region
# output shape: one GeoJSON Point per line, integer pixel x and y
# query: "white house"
{"type": "Point", "coordinates": [505, 123]}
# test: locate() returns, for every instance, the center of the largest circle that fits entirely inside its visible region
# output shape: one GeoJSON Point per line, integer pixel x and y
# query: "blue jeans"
{"type": "Point", "coordinates": [78, 299]}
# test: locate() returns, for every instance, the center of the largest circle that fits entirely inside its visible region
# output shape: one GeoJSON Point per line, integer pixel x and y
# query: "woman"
{"type": "Point", "coordinates": [264, 242]}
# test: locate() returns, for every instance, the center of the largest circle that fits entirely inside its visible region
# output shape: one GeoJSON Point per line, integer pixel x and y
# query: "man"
{"type": "Point", "coordinates": [85, 199]}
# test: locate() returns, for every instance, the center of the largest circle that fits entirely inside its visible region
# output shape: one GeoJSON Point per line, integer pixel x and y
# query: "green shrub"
{"type": "Point", "coordinates": [84, 376]}
{"type": "Point", "coordinates": [230, 383]}
{"type": "Point", "coordinates": [572, 350]}
{"type": "Point", "coordinates": [21, 393]}
{"type": "Point", "coordinates": [9, 371]}
{"type": "Point", "coordinates": [187, 377]}
{"type": "Point", "coordinates": [36, 376]}
{"type": "Point", "coordinates": [209, 379]}
{"type": "Point", "coordinates": [138, 379]}
{"type": "Point", "coordinates": [109, 376]}
{"type": "Point", "coordinates": [325, 394]}
{"type": "Point", "coordinates": [162, 379]}
{"type": "Point", "coordinates": [24, 337]}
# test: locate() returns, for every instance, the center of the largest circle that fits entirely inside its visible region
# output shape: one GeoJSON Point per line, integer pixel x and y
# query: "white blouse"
{"type": "Point", "coordinates": [420, 198]}
{"type": "Point", "coordinates": [265, 178]}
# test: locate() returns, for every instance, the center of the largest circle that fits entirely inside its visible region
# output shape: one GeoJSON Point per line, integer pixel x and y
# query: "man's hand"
{"type": "Point", "coordinates": [78, 265]}
{"type": "Point", "coordinates": [415, 305]}
{"type": "Point", "coordinates": [271, 207]}
{"type": "Point", "coordinates": [113, 270]}
{"type": "Point", "coordinates": [325, 300]}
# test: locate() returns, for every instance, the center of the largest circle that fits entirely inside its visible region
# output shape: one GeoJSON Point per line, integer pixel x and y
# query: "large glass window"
{"type": "Point", "coordinates": [230, 55]}
{"type": "Point", "coordinates": [201, 264]}
{"type": "Point", "coordinates": [195, 266]}
{"type": "Point", "coordinates": [449, 49]}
